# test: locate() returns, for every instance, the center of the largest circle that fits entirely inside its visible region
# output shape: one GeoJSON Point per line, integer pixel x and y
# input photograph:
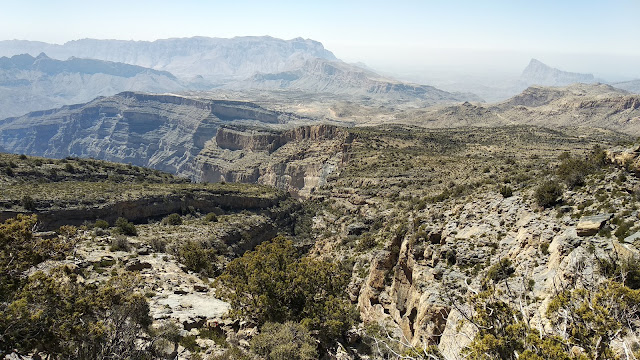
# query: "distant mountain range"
{"type": "Point", "coordinates": [30, 83]}
{"type": "Point", "coordinates": [216, 59]}
{"type": "Point", "coordinates": [631, 86]}
{"type": "Point", "coordinates": [81, 70]}
{"type": "Point", "coordinates": [577, 105]}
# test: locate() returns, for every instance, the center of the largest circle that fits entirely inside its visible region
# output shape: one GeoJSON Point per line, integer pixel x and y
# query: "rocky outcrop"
{"type": "Point", "coordinates": [590, 225]}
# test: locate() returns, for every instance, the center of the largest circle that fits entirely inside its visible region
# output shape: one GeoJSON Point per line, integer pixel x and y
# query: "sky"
{"type": "Point", "coordinates": [401, 35]}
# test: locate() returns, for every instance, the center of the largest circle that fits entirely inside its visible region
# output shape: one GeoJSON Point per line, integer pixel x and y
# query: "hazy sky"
{"type": "Point", "coordinates": [398, 34]}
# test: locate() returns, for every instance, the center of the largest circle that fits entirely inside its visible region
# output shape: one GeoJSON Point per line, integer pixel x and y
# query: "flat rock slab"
{"type": "Point", "coordinates": [590, 225]}
{"type": "Point", "coordinates": [186, 308]}
{"type": "Point", "coordinates": [632, 238]}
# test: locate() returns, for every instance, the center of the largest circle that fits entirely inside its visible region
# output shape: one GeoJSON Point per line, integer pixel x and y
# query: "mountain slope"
{"type": "Point", "coordinates": [326, 76]}
{"type": "Point", "coordinates": [537, 73]}
{"type": "Point", "coordinates": [582, 105]}
{"type": "Point", "coordinates": [29, 84]}
{"type": "Point", "coordinates": [630, 86]}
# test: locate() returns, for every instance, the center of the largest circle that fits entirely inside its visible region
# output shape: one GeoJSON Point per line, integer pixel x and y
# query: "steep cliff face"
{"type": "Point", "coordinates": [164, 132]}
{"type": "Point", "coordinates": [296, 160]}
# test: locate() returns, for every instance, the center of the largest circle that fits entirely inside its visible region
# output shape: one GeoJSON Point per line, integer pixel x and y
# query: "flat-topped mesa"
{"type": "Point", "coordinates": [232, 138]}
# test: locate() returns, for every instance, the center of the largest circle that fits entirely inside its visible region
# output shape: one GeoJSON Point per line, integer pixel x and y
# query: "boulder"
{"type": "Point", "coordinates": [590, 225]}
{"type": "Point", "coordinates": [137, 265]}
{"type": "Point", "coordinates": [357, 228]}
{"type": "Point", "coordinates": [200, 288]}
{"type": "Point", "coordinates": [632, 238]}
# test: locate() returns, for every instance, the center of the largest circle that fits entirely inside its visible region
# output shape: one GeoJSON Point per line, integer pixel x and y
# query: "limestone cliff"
{"type": "Point", "coordinates": [296, 160]}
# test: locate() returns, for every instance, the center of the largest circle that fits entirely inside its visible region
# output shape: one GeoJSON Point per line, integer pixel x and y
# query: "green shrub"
{"type": "Point", "coordinates": [101, 224]}
{"type": "Point", "coordinates": [623, 230]}
{"type": "Point", "coordinates": [500, 271]}
{"type": "Point", "coordinates": [274, 283]}
{"type": "Point", "coordinates": [506, 191]}
{"type": "Point", "coordinates": [189, 343]}
{"type": "Point", "coordinates": [572, 171]}
{"type": "Point", "coordinates": [365, 243]}
{"type": "Point", "coordinates": [124, 227]}
{"type": "Point", "coordinates": [158, 244]}
{"type": "Point", "coordinates": [28, 203]}
{"type": "Point", "coordinates": [548, 194]}
{"type": "Point", "coordinates": [288, 341]}
{"type": "Point", "coordinates": [211, 217]}
{"type": "Point", "coordinates": [195, 257]}
{"type": "Point", "coordinates": [120, 243]}
{"type": "Point", "coordinates": [216, 334]}
{"type": "Point", "coordinates": [173, 219]}
{"type": "Point", "coordinates": [544, 248]}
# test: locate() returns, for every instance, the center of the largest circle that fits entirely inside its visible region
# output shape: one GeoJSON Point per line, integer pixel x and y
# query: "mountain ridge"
{"type": "Point", "coordinates": [538, 73]}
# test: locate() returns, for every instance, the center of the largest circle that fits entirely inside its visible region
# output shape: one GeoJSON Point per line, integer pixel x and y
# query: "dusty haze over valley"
{"type": "Point", "coordinates": [329, 180]}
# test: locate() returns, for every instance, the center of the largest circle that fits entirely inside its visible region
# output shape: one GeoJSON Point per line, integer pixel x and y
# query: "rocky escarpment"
{"type": "Point", "coordinates": [139, 210]}
{"type": "Point", "coordinates": [261, 140]}
{"type": "Point", "coordinates": [296, 160]}
{"type": "Point", "coordinates": [164, 132]}
{"type": "Point", "coordinates": [53, 212]}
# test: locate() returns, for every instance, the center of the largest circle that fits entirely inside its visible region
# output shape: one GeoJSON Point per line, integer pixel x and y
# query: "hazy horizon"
{"type": "Point", "coordinates": [407, 38]}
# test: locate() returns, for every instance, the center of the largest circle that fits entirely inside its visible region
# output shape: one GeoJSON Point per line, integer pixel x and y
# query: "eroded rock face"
{"type": "Point", "coordinates": [417, 285]}
{"type": "Point", "coordinates": [296, 160]}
